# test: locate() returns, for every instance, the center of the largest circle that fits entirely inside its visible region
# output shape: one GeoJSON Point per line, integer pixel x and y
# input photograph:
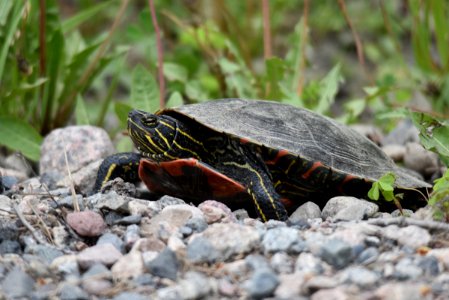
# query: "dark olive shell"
{"type": "Point", "coordinates": [299, 131]}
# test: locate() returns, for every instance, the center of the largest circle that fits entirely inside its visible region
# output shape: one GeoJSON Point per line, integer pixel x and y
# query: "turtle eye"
{"type": "Point", "coordinates": [149, 121]}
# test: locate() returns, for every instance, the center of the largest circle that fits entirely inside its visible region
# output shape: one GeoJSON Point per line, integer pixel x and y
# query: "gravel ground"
{"type": "Point", "coordinates": [58, 245]}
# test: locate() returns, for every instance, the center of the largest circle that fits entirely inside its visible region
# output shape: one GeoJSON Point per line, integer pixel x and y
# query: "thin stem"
{"type": "Point", "coordinates": [266, 30]}
{"type": "Point", "coordinates": [160, 55]}
{"type": "Point", "coordinates": [358, 42]}
{"type": "Point", "coordinates": [42, 45]}
{"type": "Point", "coordinates": [303, 41]}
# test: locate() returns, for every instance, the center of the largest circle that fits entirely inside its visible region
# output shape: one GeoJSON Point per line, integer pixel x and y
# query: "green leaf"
{"type": "Point", "coordinates": [386, 182]}
{"type": "Point", "coordinates": [175, 72]}
{"type": "Point", "coordinates": [275, 74]}
{"type": "Point", "coordinates": [434, 134]}
{"type": "Point", "coordinates": [121, 111]}
{"type": "Point", "coordinates": [373, 193]}
{"type": "Point", "coordinates": [11, 30]}
{"type": "Point", "coordinates": [175, 100]}
{"type": "Point", "coordinates": [25, 86]}
{"type": "Point", "coordinates": [144, 90]}
{"type": "Point", "coordinates": [20, 136]}
{"type": "Point", "coordinates": [329, 89]}
{"type": "Point", "coordinates": [85, 15]}
{"type": "Point", "coordinates": [81, 115]}
{"type": "Point", "coordinates": [440, 17]}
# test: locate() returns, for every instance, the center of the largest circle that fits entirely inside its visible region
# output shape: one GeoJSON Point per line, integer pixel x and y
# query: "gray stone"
{"type": "Point", "coordinates": [200, 250]}
{"type": "Point", "coordinates": [406, 269]}
{"type": "Point", "coordinates": [6, 205]}
{"type": "Point", "coordinates": [308, 210]}
{"type": "Point", "coordinates": [336, 253]}
{"type": "Point", "coordinates": [394, 151]}
{"type": "Point", "coordinates": [196, 224]}
{"type": "Point", "coordinates": [262, 284]}
{"type": "Point", "coordinates": [82, 144]}
{"type": "Point", "coordinates": [72, 292]}
{"type": "Point", "coordinates": [111, 201]}
{"type": "Point", "coordinates": [336, 293]}
{"type": "Point", "coordinates": [242, 240]}
{"type": "Point", "coordinates": [290, 286]}
{"type": "Point", "coordinates": [128, 266]}
{"type": "Point", "coordinates": [368, 256]}
{"type": "Point", "coordinates": [105, 254]}
{"type": "Point", "coordinates": [257, 262]}
{"type": "Point", "coordinates": [8, 246]}
{"type": "Point", "coordinates": [348, 208]}
{"type": "Point", "coordinates": [66, 265]}
{"type": "Point", "coordinates": [360, 276]}
{"type": "Point", "coordinates": [404, 132]}
{"type": "Point", "coordinates": [215, 211]}
{"type": "Point", "coordinates": [283, 239]}
{"type": "Point", "coordinates": [83, 179]}
{"type": "Point", "coordinates": [130, 296]}
{"type": "Point", "coordinates": [132, 234]}
{"type": "Point", "coordinates": [17, 284]}
{"type": "Point", "coordinates": [309, 264]}
{"type": "Point", "coordinates": [113, 239]}
{"type": "Point", "coordinates": [194, 285]}
{"type": "Point", "coordinates": [168, 201]}
{"type": "Point", "coordinates": [429, 265]}
{"type": "Point", "coordinates": [419, 159]}
{"type": "Point", "coordinates": [164, 265]}
{"type": "Point", "coordinates": [282, 263]}
{"type": "Point", "coordinates": [399, 291]}
{"type": "Point", "coordinates": [413, 236]}
{"type": "Point", "coordinates": [97, 271]}
{"type": "Point", "coordinates": [46, 253]}
{"type": "Point", "coordinates": [128, 220]}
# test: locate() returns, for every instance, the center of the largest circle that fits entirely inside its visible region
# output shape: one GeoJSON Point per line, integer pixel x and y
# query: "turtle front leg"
{"type": "Point", "coordinates": [124, 165]}
{"type": "Point", "coordinates": [259, 184]}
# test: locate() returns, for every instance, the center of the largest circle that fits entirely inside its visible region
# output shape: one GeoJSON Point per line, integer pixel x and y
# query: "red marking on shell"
{"type": "Point", "coordinates": [278, 156]}
{"type": "Point", "coordinates": [309, 172]}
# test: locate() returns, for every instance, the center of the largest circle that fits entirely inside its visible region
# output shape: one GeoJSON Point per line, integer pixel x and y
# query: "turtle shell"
{"type": "Point", "coordinates": [299, 131]}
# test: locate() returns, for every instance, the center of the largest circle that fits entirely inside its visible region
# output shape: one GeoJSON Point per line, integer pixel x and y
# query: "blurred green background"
{"type": "Point", "coordinates": [89, 62]}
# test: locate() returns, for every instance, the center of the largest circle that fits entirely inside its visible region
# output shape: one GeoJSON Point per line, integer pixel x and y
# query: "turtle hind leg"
{"type": "Point", "coordinates": [124, 165]}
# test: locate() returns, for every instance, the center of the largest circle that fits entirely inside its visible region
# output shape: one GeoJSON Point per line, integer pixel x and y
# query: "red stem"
{"type": "Point", "coordinates": [160, 55]}
{"type": "Point", "coordinates": [266, 29]}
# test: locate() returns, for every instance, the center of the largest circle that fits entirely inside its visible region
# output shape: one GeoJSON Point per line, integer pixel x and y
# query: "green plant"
{"type": "Point", "coordinates": [44, 70]}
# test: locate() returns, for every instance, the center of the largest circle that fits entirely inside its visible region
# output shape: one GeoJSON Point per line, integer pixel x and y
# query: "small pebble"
{"type": "Point", "coordinates": [86, 223]}
{"type": "Point", "coordinates": [262, 284]}
{"type": "Point", "coordinates": [165, 265]}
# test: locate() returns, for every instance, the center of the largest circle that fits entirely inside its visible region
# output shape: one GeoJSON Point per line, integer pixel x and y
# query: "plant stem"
{"type": "Point", "coordinates": [160, 55]}
{"type": "Point", "coordinates": [303, 41]}
{"type": "Point", "coordinates": [266, 29]}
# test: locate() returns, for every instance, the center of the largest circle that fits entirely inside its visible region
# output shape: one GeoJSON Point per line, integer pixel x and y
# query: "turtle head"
{"type": "Point", "coordinates": [153, 135]}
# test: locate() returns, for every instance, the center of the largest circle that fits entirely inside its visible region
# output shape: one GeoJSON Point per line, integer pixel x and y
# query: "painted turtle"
{"type": "Point", "coordinates": [237, 151]}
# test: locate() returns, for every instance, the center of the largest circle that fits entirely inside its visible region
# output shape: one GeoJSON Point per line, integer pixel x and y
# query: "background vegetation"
{"type": "Point", "coordinates": [89, 62]}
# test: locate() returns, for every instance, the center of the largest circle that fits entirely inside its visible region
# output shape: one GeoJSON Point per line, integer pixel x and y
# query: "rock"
{"type": "Point", "coordinates": [411, 236]}
{"type": "Point", "coordinates": [17, 284]}
{"type": "Point", "coordinates": [8, 246]}
{"type": "Point", "coordinates": [194, 286]}
{"type": "Point", "coordinates": [442, 254]}
{"type": "Point", "coordinates": [97, 271]}
{"type": "Point", "coordinates": [360, 276]}
{"type": "Point", "coordinates": [395, 152]}
{"type": "Point", "coordinates": [398, 291]}
{"type": "Point", "coordinates": [86, 223]}
{"type": "Point", "coordinates": [197, 224]}
{"type": "Point", "coordinates": [333, 293]}
{"type": "Point", "coordinates": [336, 253]}
{"type": "Point", "coordinates": [290, 286]}
{"type": "Point", "coordinates": [83, 145]}
{"type": "Point", "coordinates": [83, 179]}
{"type": "Point", "coordinates": [169, 201]}
{"type": "Point", "coordinates": [404, 132]}
{"type": "Point", "coordinates": [227, 288]}
{"type": "Point", "coordinates": [46, 253]}
{"type": "Point", "coordinates": [242, 240]}
{"type": "Point", "coordinates": [119, 186]}
{"type": "Point", "coordinates": [406, 269]}
{"type": "Point", "coordinates": [282, 263]}
{"type": "Point", "coordinates": [320, 282]}
{"type": "Point", "coordinates": [128, 266]}
{"type": "Point", "coordinates": [215, 211]}
{"type": "Point", "coordinates": [132, 234]}
{"type": "Point", "coordinates": [111, 201]}
{"type": "Point", "coordinates": [98, 287]}
{"type": "Point", "coordinates": [105, 254]}
{"type": "Point", "coordinates": [66, 264]}
{"type": "Point", "coordinates": [130, 296]}
{"type": "Point", "coordinates": [283, 239]}
{"type": "Point", "coordinates": [200, 250]}
{"type": "Point", "coordinates": [429, 265]}
{"type": "Point", "coordinates": [113, 239]}
{"type": "Point", "coordinates": [308, 210]}
{"type": "Point", "coordinates": [72, 292]}
{"type": "Point", "coordinates": [6, 205]}
{"type": "Point", "coordinates": [307, 263]}
{"type": "Point", "coordinates": [419, 159]}
{"type": "Point", "coordinates": [165, 265]}
{"type": "Point", "coordinates": [261, 284]}
{"type": "Point", "coordinates": [348, 208]}
{"type": "Point", "coordinates": [371, 132]}
{"type": "Point", "coordinates": [367, 256]}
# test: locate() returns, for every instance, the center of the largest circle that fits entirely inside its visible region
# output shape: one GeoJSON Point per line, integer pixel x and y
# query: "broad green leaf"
{"type": "Point", "coordinates": [18, 135]}
{"type": "Point", "coordinates": [195, 91]}
{"type": "Point", "coordinates": [175, 72]}
{"type": "Point", "coordinates": [386, 182]}
{"type": "Point", "coordinates": [81, 115]}
{"type": "Point", "coordinates": [144, 90]}
{"type": "Point", "coordinates": [329, 89]}
{"type": "Point", "coordinates": [373, 193]}
{"type": "Point", "coordinates": [175, 100]}
{"type": "Point", "coordinates": [228, 67]}
{"type": "Point", "coordinates": [121, 111]}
